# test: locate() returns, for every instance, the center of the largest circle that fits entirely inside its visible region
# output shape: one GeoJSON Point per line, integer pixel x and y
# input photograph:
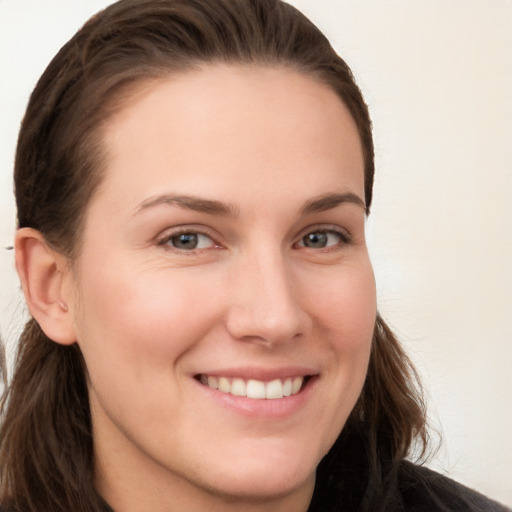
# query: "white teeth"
{"type": "Point", "coordinates": [256, 389]}
{"type": "Point", "coordinates": [297, 384]}
{"type": "Point", "coordinates": [213, 382]}
{"type": "Point", "coordinates": [274, 389]}
{"type": "Point", "coordinates": [224, 385]}
{"type": "Point", "coordinates": [238, 387]}
{"type": "Point", "coordinates": [287, 387]}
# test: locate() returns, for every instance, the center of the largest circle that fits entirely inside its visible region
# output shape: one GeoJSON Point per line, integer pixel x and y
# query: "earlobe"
{"type": "Point", "coordinates": [42, 272]}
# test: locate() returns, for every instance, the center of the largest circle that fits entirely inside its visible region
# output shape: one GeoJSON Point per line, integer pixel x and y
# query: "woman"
{"type": "Point", "coordinates": [192, 181]}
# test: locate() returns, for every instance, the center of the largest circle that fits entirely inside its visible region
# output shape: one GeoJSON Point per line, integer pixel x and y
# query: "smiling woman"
{"type": "Point", "coordinates": [192, 183]}
{"type": "Point", "coordinates": [226, 248]}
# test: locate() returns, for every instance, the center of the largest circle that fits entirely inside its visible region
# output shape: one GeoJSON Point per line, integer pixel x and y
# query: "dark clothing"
{"type": "Point", "coordinates": [431, 491]}
{"type": "Point", "coordinates": [415, 489]}
{"type": "Point", "coordinates": [361, 475]}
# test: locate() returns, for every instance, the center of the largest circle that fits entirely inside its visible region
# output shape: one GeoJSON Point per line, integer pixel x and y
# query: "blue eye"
{"type": "Point", "coordinates": [189, 241]}
{"type": "Point", "coordinates": [321, 239]}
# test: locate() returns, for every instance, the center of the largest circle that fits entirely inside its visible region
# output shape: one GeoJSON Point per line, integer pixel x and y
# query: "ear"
{"type": "Point", "coordinates": [45, 279]}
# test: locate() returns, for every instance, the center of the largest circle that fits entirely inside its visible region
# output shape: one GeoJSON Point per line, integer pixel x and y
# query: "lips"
{"type": "Point", "coordinates": [255, 389]}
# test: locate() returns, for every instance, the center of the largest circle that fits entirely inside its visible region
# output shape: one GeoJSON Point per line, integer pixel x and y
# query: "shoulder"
{"type": "Point", "coordinates": [424, 490]}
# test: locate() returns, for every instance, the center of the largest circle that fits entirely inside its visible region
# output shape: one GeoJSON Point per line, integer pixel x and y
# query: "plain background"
{"type": "Point", "coordinates": [437, 75]}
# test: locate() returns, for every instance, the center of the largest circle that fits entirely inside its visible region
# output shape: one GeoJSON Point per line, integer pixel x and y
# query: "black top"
{"type": "Point", "coordinates": [415, 489]}
{"type": "Point", "coordinates": [358, 475]}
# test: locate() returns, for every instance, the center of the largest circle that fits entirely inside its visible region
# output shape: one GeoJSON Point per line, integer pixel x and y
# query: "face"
{"type": "Point", "coordinates": [224, 300]}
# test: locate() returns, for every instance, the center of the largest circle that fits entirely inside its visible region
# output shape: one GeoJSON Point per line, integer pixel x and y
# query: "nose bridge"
{"type": "Point", "coordinates": [264, 302]}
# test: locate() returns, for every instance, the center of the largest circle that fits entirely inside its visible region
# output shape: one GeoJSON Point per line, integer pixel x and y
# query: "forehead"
{"type": "Point", "coordinates": [229, 124]}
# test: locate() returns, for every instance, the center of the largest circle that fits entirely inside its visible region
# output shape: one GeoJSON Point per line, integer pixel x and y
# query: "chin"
{"type": "Point", "coordinates": [267, 476]}
{"type": "Point", "coordinates": [256, 488]}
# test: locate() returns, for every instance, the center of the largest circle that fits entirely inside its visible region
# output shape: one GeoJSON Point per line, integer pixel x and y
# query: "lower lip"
{"type": "Point", "coordinates": [263, 408]}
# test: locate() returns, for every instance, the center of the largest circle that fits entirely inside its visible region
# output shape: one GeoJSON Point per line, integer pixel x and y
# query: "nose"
{"type": "Point", "coordinates": [265, 302]}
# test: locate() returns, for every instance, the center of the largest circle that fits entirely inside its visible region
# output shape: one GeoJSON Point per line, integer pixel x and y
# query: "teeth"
{"type": "Point", "coordinates": [256, 389]}
{"type": "Point", "coordinates": [213, 382]}
{"type": "Point", "coordinates": [297, 384]}
{"type": "Point", "coordinates": [238, 387]}
{"type": "Point", "coordinates": [287, 387]}
{"type": "Point", "coordinates": [274, 389]}
{"type": "Point", "coordinates": [224, 385]}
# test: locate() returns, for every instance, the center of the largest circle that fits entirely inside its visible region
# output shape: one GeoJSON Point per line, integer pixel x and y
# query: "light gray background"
{"type": "Point", "coordinates": [437, 75]}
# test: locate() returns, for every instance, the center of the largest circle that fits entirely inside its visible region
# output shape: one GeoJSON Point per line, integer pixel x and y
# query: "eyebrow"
{"type": "Point", "coordinates": [189, 202]}
{"type": "Point", "coordinates": [329, 201]}
{"type": "Point", "coordinates": [318, 204]}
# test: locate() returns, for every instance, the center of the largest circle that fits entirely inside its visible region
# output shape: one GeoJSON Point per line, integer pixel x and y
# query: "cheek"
{"type": "Point", "coordinates": [345, 312]}
{"type": "Point", "coordinates": [143, 318]}
{"type": "Point", "coordinates": [357, 315]}
{"type": "Point", "coordinates": [344, 303]}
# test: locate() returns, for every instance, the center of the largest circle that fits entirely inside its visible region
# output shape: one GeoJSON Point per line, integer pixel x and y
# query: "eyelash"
{"type": "Point", "coordinates": [344, 239]}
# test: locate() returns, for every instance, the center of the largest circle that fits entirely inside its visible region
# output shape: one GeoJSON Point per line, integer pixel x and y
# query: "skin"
{"type": "Point", "coordinates": [150, 316]}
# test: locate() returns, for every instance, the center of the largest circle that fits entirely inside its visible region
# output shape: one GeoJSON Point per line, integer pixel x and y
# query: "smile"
{"type": "Point", "coordinates": [255, 389]}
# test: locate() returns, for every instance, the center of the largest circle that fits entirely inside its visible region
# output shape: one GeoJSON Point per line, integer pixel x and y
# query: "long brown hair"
{"type": "Point", "coordinates": [46, 445]}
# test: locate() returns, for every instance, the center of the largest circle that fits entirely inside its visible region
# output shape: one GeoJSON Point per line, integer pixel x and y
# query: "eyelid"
{"type": "Point", "coordinates": [333, 228]}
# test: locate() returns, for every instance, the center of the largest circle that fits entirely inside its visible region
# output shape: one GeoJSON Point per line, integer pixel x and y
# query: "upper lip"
{"type": "Point", "coordinates": [262, 374]}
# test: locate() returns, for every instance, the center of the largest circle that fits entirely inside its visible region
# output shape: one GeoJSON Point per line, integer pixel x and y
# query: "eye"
{"type": "Point", "coordinates": [322, 239]}
{"type": "Point", "coordinates": [188, 241]}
